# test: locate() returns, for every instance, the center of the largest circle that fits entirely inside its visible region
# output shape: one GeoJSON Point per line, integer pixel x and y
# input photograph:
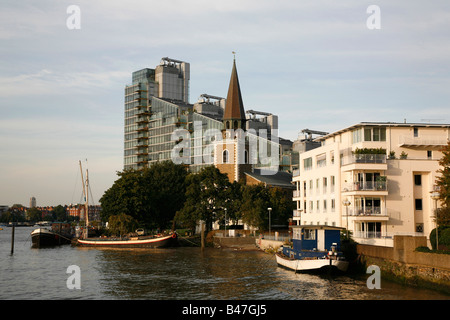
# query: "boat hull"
{"type": "Point", "coordinates": [161, 242]}
{"type": "Point", "coordinates": [47, 238]}
{"type": "Point", "coordinates": [313, 265]}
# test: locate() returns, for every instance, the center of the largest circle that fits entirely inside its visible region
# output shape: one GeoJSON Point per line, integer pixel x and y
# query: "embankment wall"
{"type": "Point", "coordinates": [403, 264]}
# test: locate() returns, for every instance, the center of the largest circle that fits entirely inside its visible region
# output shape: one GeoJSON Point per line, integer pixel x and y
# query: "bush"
{"type": "Point", "coordinates": [444, 236]}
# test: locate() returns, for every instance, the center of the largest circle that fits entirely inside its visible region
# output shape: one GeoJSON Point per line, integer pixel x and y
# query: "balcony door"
{"type": "Point", "coordinates": [370, 229]}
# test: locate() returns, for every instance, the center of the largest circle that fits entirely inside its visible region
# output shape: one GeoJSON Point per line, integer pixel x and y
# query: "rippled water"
{"type": "Point", "coordinates": [175, 273]}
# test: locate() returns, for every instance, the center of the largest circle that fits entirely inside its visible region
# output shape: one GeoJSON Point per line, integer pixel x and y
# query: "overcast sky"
{"type": "Point", "coordinates": [315, 64]}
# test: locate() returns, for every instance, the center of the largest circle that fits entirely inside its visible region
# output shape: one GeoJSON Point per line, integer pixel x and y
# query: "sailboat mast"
{"type": "Point", "coordinates": [87, 203]}
{"type": "Point", "coordinates": [86, 208]}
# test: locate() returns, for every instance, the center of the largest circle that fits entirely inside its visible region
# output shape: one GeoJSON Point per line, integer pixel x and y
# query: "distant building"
{"type": "Point", "coordinates": [78, 211]}
{"type": "Point", "coordinates": [374, 178]}
{"type": "Point", "coordinates": [32, 202]}
{"type": "Point", "coordinates": [155, 116]}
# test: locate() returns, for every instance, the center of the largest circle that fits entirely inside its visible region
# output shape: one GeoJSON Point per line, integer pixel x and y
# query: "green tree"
{"type": "Point", "coordinates": [122, 224]}
{"type": "Point", "coordinates": [255, 204]}
{"type": "Point", "coordinates": [165, 184]}
{"type": "Point", "coordinates": [256, 199]}
{"type": "Point", "coordinates": [206, 195]}
{"type": "Point", "coordinates": [151, 196]}
{"type": "Point", "coordinates": [59, 213]}
{"type": "Point", "coordinates": [443, 180]}
{"type": "Point", "coordinates": [34, 214]}
{"type": "Point", "coordinates": [125, 196]}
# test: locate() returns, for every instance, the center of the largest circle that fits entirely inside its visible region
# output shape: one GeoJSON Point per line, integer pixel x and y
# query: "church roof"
{"type": "Point", "coordinates": [234, 107]}
{"type": "Point", "coordinates": [279, 179]}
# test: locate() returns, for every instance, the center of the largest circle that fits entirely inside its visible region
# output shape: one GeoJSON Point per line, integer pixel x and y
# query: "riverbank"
{"type": "Point", "coordinates": [404, 265]}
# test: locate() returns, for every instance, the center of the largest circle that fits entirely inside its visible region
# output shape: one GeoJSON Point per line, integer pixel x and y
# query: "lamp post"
{"type": "Point", "coordinates": [270, 210]}
{"type": "Point", "coordinates": [346, 203]}
{"type": "Point", "coordinates": [225, 222]}
{"type": "Point", "coordinates": [435, 197]}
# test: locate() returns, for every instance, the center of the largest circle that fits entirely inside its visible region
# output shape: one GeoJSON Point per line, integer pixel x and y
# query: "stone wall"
{"type": "Point", "coordinates": [402, 263]}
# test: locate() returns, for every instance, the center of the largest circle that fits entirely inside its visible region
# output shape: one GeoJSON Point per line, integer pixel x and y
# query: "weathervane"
{"type": "Point", "coordinates": [234, 54]}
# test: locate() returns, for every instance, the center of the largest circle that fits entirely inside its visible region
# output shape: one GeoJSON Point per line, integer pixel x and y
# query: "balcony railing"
{"type": "Point", "coordinates": [296, 193]}
{"type": "Point", "coordinates": [366, 186]}
{"type": "Point", "coordinates": [365, 158]}
{"type": "Point", "coordinates": [381, 235]}
{"type": "Point", "coordinates": [297, 213]}
{"type": "Point", "coordinates": [367, 211]}
{"type": "Point", "coordinates": [422, 141]}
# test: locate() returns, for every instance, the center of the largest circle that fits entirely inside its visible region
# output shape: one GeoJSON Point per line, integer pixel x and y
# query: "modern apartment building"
{"type": "Point", "coordinates": [157, 106]}
{"type": "Point", "coordinates": [374, 178]}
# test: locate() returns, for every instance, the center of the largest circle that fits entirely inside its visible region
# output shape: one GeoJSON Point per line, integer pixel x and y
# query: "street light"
{"type": "Point", "coordinates": [225, 222]}
{"type": "Point", "coordinates": [435, 197]}
{"type": "Point", "coordinates": [270, 209]}
{"type": "Point", "coordinates": [346, 203]}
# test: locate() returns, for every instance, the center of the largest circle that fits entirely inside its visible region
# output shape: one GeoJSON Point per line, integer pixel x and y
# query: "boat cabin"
{"type": "Point", "coordinates": [313, 241]}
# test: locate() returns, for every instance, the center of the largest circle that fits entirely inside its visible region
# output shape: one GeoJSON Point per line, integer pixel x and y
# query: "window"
{"type": "Point", "coordinates": [419, 227]}
{"type": "Point", "coordinates": [307, 164]}
{"type": "Point", "coordinates": [225, 156]}
{"type": "Point", "coordinates": [321, 160]}
{"type": "Point", "coordinates": [416, 132]}
{"type": "Point", "coordinates": [418, 204]}
{"type": "Point", "coordinates": [356, 135]}
{"type": "Point", "coordinates": [374, 134]}
{"type": "Point", "coordinates": [324, 205]}
{"type": "Point", "coordinates": [333, 205]}
{"type": "Point", "coordinates": [418, 179]}
{"type": "Point", "coordinates": [309, 234]}
{"type": "Point", "coordinates": [429, 154]}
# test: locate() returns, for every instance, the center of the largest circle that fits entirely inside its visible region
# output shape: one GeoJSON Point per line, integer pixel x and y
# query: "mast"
{"type": "Point", "coordinates": [87, 204]}
{"type": "Point", "coordinates": [85, 192]}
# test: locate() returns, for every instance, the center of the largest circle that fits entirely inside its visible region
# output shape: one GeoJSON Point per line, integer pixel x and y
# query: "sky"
{"type": "Point", "coordinates": [316, 64]}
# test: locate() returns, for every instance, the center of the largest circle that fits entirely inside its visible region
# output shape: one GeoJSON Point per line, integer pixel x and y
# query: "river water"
{"type": "Point", "coordinates": [184, 273]}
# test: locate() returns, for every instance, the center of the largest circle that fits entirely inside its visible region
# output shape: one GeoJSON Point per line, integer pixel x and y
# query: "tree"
{"type": "Point", "coordinates": [34, 214]}
{"type": "Point", "coordinates": [443, 181]}
{"type": "Point", "coordinates": [59, 213]}
{"type": "Point", "coordinates": [206, 195]}
{"type": "Point", "coordinates": [151, 196]}
{"type": "Point", "coordinates": [256, 199]}
{"type": "Point", "coordinates": [121, 224]}
{"type": "Point", "coordinates": [165, 184]}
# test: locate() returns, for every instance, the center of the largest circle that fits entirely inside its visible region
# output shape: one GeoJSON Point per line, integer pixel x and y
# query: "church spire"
{"type": "Point", "coordinates": [234, 114]}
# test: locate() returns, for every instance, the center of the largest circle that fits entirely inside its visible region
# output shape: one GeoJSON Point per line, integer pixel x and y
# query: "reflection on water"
{"type": "Point", "coordinates": [175, 273]}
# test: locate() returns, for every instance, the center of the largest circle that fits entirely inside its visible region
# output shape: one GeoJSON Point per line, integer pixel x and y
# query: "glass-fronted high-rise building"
{"type": "Point", "coordinates": [157, 104]}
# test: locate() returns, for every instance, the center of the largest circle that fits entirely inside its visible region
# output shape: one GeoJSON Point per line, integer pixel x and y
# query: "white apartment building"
{"type": "Point", "coordinates": [375, 179]}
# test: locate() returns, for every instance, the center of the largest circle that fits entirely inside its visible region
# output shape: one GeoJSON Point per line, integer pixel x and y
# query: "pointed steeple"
{"type": "Point", "coordinates": [234, 114]}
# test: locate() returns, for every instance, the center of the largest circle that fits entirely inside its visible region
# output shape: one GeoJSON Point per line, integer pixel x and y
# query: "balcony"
{"type": "Point", "coordinates": [366, 188]}
{"type": "Point", "coordinates": [297, 213]}
{"type": "Point", "coordinates": [296, 193]}
{"type": "Point", "coordinates": [364, 162]}
{"type": "Point", "coordinates": [422, 142]}
{"type": "Point", "coordinates": [367, 213]}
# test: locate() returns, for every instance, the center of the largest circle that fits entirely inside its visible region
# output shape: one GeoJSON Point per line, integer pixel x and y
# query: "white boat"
{"type": "Point", "coordinates": [308, 265]}
{"type": "Point", "coordinates": [314, 248]}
